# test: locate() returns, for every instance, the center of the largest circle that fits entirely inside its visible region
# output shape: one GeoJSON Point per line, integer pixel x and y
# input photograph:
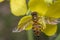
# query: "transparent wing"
{"type": "Point", "coordinates": [24, 24]}
{"type": "Point", "coordinates": [51, 20]}
{"type": "Point", "coordinates": [49, 25]}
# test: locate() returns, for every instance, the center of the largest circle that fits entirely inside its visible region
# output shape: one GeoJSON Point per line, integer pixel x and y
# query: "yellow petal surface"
{"type": "Point", "coordinates": [18, 7]}
{"type": "Point", "coordinates": [50, 29]}
{"type": "Point", "coordinates": [49, 1]}
{"type": "Point", "coordinates": [54, 10]}
{"type": "Point", "coordinates": [40, 6]}
{"type": "Point", "coordinates": [1, 0]}
{"type": "Point", "coordinates": [26, 22]}
{"type": "Point", "coordinates": [42, 22]}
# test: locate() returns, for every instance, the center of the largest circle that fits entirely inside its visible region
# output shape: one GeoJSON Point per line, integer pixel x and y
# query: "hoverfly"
{"type": "Point", "coordinates": [35, 22]}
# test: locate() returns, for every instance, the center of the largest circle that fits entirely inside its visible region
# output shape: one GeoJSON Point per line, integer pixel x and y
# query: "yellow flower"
{"type": "Point", "coordinates": [26, 24]}
{"type": "Point", "coordinates": [48, 8]}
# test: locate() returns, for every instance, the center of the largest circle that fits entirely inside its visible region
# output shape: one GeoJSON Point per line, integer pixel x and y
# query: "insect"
{"type": "Point", "coordinates": [35, 22]}
{"type": "Point", "coordinates": [36, 26]}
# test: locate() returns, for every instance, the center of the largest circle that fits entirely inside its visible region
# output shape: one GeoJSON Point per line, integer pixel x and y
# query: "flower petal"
{"type": "Point", "coordinates": [50, 29]}
{"type": "Point", "coordinates": [49, 1]}
{"type": "Point", "coordinates": [18, 7]}
{"type": "Point", "coordinates": [25, 23]}
{"type": "Point", "coordinates": [54, 10]}
{"type": "Point", "coordinates": [48, 8]}
{"type": "Point", "coordinates": [39, 6]}
{"type": "Point", "coordinates": [42, 22]}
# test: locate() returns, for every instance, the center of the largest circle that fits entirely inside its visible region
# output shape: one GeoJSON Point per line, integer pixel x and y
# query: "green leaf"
{"type": "Point", "coordinates": [58, 37]}
{"type": "Point", "coordinates": [18, 7]}
{"type": "Point", "coordinates": [30, 35]}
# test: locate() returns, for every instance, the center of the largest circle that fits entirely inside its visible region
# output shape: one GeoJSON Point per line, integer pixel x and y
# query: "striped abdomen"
{"type": "Point", "coordinates": [36, 25]}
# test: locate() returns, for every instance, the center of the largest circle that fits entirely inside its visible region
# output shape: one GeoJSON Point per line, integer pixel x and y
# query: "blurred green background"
{"type": "Point", "coordinates": [8, 22]}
